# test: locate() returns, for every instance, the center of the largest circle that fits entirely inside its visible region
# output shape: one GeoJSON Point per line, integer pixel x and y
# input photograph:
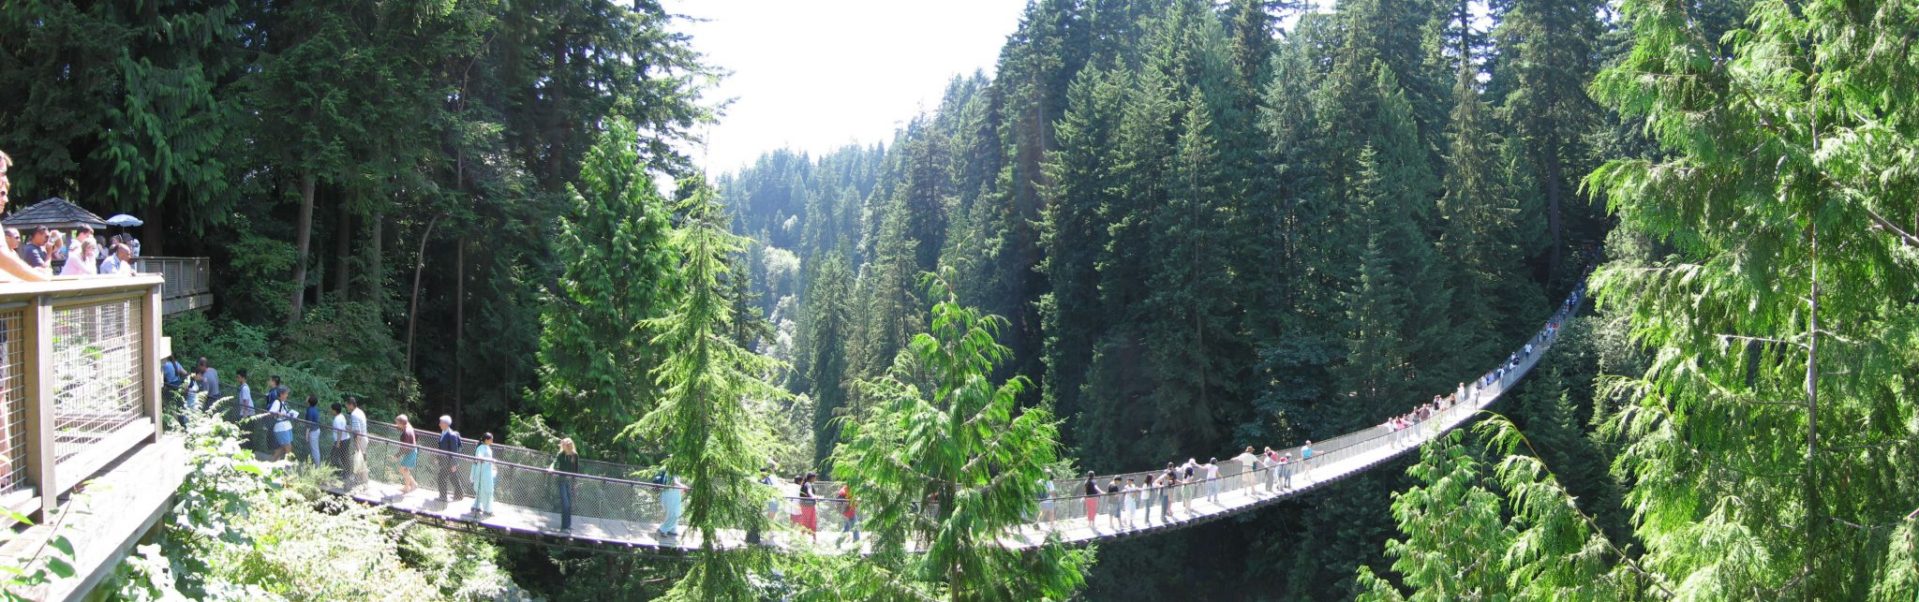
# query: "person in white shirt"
{"type": "Point", "coordinates": [118, 263]}
{"type": "Point", "coordinates": [243, 408]}
{"type": "Point", "coordinates": [342, 442]}
{"type": "Point", "coordinates": [356, 426]}
{"type": "Point", "coordinates": [1211, 473]}
{"type": "Point", "coordinates": [1247, 464]}
{"type": "Point", "coordinates": [282, 428]}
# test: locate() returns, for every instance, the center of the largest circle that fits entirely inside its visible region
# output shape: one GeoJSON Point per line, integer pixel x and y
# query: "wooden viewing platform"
{"type": "Point", "coordinates": [81, 452]}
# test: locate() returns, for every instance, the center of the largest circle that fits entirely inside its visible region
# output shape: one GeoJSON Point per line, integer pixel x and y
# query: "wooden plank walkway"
{"type": "Point", "coordinates": [105, 517]}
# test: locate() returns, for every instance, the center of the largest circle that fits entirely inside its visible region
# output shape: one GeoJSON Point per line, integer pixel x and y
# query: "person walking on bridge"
{"type": "Point", "coordinates": [1187, 484]}
{"type": "Point", "coordinates": [1165, 486]}
{"type": "Point", "coordinates": [851, 513]}
{"type": "Point", "coordinates": [356, 428]}
{"type": "Point", "coordinates": [312, 418]}
{"type": "Point", "coordinates": [1306, 459]}
{"type": "Point", "coordinates": [809, 506]}
{"type": "Point", "coordinates": [565, 466]}
{"type": "Point", "coordinates": [447, 479]}
{"type": "Point", "coordinates": [1128, 503]}
{"type": "Point", "coordinates": [671, 502]}
{"type": "Point", "coordinates": [1092, 493]}
{"type": "Point", "coordinates": [409, 454]}
{"type": "Point", "coordinates": [342, 446]}
{"type": "Point", "coordinates": [1246, 462]}
{"type": "Point", "coordinates": [283, 428]}
{"type": "Point", "coordinates": [1046, 493]}
{"type": "Point", "coordinates": [1212, 479]}
{"type": "Point", "coordinates": [1272, 469]}
{"type": "Point", "coordinates": [483, 476]}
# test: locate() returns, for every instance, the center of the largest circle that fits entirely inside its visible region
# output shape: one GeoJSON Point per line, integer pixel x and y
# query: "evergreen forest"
{"type": "Point", "coordinates": [1154, 230]}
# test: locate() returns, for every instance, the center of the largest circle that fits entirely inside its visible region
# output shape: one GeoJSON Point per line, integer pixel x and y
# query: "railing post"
{"type": "Point", "coordinates": [41, 445]}
{"type": "Point", "coordinates": [150, 360]}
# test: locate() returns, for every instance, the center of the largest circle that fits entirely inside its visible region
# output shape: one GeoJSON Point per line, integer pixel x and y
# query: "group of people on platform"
{"type": "Point", "coordinates": [32, 259]}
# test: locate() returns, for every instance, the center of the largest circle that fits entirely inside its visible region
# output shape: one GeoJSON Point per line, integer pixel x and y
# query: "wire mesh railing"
{"type": "Point", "coordinates": [522, 481]}
{"type": "Point", "coordinates": [97, 372]}
{"type": "Point", "coordinates": [13, 394]}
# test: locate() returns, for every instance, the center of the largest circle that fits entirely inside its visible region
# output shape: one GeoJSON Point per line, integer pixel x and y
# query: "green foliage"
{"type": "Point", "coordinates": [349, 344]}
{"type": "Point", "coordinates": [828, 313]}
{"type": "Point", "coordinates": [1508, 531]}
{"type": "Point", "coordinates": [1778, 324]}
{"type": "Point", "coordinates": [942, 433]}
{"type": "Point", "coordinates": [52, 560]}
{"type": "Point", "coordinates": [708, 420]}
{"type": "Point", "coordinates": [597, 352]}
{"type": "Point", "coordinates": [232, 345]}
{"type": "Point", "coordinates": [247, 530]}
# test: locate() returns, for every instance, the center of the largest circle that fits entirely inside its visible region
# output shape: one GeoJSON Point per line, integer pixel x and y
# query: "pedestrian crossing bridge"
{"type": "Point", "coordinates": [613, 506]}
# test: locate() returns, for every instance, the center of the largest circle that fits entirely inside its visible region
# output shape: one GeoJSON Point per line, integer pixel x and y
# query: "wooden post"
{"type": "Point", "coordinates": [150, 360]}
{"type": "Point", "coordinates": [39, 398]}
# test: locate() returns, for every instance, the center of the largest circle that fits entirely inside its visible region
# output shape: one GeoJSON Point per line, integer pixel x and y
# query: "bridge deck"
{"type": "Point", "coordinates": [1238, 493]}
{"type": "Point", "coordinates": [612, 508]}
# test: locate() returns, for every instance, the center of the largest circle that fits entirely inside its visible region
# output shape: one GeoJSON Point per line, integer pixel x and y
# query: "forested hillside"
{"type": "Point", "coordinates": [1156, 230]}
{"type": "Point", "coordinates": [1210, 227]}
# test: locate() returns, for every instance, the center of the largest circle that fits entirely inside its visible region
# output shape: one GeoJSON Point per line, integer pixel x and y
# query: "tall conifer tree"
{"type": "Point", "coordinates": [706, 420]}
{"type": "Point", "coordinates": [596, 353]}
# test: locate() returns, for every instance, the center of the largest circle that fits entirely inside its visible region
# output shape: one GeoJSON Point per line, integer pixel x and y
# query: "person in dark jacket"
{"type": "Point", "coordinates": [449, 478]}
{"type": "Point", "coordinates": [565, 465]}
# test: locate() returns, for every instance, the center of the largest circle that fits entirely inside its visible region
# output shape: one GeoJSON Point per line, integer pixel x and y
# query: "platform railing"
{"type": "Point", "coordinates": [78, 380]}
{"type": "Point", "coordinates": [189, 281]}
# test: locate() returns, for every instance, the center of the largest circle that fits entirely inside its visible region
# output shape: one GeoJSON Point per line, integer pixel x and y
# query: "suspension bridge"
{"type": "Point", "coordinates": [613, 506]}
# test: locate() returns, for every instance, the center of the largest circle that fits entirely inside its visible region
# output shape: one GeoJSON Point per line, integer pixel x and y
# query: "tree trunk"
{"type": "Point", "coordinates": [154, 242]}
{"type": "Point", "coordinates": [303, 237]}
{"type": "Point", "coordinates": [413, 309]}
{"type": "Point", "coordinates": [459, 329]}
{"type": "Point", "coordinates": [1555, 205]}
{"type": "Point", "coordinates": [1815, 516]}
{"type": "Point", "coordinates": [376, 264]}
{"type": "Point", "coordinates": [343, 255]}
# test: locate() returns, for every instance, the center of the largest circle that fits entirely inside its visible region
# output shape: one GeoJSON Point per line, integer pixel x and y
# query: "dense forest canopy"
{"type": "Point", "coordinates": [1158, 229]}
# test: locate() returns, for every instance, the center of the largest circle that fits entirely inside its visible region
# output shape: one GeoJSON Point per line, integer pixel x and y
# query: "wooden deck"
{"type": "Point", "coordinates": [104, 517]}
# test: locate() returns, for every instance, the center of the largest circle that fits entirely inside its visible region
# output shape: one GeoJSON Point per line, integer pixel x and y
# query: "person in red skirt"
{"type": "Point", "coordinates": [1092, 499]}
{"type": "Point", "coordinates": [809, 511]}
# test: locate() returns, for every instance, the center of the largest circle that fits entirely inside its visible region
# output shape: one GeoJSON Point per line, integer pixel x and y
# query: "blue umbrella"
{"type": "Point", "coordinates": [124, 221]}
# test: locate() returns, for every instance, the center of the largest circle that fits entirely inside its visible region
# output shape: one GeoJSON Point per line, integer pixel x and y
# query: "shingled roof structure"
{"type": "Point", "coordinates": [57, 213]}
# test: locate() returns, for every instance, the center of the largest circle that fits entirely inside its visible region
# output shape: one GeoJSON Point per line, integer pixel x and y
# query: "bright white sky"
{"type": "Point", "coordinates": [816, 75]}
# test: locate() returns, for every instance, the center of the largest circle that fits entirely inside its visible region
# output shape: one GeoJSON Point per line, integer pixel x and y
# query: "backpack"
{"type": "Point", "coordinates": [660, 479]}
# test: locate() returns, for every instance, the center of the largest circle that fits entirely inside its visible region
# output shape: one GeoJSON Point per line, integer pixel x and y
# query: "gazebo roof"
{"type": "Point", "coordinates": [55, 213]}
